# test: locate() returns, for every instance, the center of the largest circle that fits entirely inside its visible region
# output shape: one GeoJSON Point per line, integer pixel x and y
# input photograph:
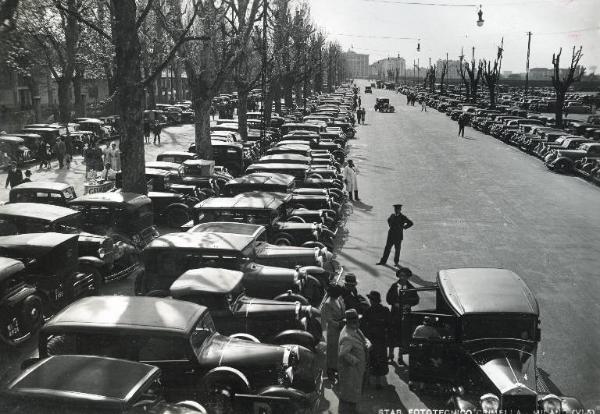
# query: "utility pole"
{"type": "Point", "coordinates": [527, 64]}
{"type": "Point", "coordinates": [418, 71]}
{"type": "Point", "coordinates": [414, 68]}
{"type": "Point", "coordinates": [461, 58]}
{"type": "Point", "coordinates": [263, 79]}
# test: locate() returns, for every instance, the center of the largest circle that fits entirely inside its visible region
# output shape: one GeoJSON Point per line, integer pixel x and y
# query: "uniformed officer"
{"type": "Point", "coordinates": [401, 297]}
{"type": "Point", "coordinates": [398, 222]}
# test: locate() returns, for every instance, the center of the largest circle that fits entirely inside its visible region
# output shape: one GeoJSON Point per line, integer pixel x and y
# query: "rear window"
{"type": "Point", "coordinates": [491, 326]}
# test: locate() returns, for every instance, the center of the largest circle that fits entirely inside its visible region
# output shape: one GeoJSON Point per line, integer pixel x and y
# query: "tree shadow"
{"type": "Point", "coordinates": [362, 206]}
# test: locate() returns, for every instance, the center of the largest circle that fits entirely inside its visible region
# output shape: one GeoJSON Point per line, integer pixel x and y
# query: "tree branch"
{"type": "Point", "coordinates": [144, 13]}
{"type": "Point", "coordinates": [86, 22]}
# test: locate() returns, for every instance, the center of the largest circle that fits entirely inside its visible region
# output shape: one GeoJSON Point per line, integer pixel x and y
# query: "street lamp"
{"type": "Point", "coordinates": [480, 14]}
{"type": "Point", "coordinates": [419, 45]}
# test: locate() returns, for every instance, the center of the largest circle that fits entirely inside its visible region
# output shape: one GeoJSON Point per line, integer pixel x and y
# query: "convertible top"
{"type": "Point", "coordinates": [201, 240]}
{"type": "Point", "coordinates": [33, 244]}
{"type": "Point", "coordinates": [256, 200]}
{"type": "Point", "coordinates": [9, 267]}
{"type": "Point", "coordinates": [46, 212]}
{"type": "Point", "coordinates": [44, 185]}
{"type": "Point", "coordinates": [206, 280]}
{"type": "Point", "coordinates": [486, 290]}
{"type": "Point", "coordinates": [253, 230]}
{"type": "Point", "coordinates": [264, 178]}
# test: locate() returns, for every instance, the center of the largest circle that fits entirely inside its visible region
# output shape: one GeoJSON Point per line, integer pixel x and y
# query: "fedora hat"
{"type": "Point", "coordinates": [350, 279]}
{"type": "Point", "coordinates": [351, 315]}
{"type": "Point", "coordinates": [374, 295]}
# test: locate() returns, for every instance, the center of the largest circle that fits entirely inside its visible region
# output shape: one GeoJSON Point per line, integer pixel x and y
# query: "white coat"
{"type": "Point", "coordinates": [332, 315]}
{"type": "Point", "coordinates": [350, 174]}
{"type": "Point", "coordinates": [353, 356]}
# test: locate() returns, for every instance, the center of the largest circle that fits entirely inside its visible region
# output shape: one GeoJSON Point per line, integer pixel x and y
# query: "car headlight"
{"type": "Point", "coordinates": [136, 239]}
{"type": "Point", "coordinates": [551, 404]}
{"type": "Point", "coordinates": [101, 252]}
{"type": "Point", "coordinates": [489, 403]}
{"type": "Point", "coordinates": [289, 374]}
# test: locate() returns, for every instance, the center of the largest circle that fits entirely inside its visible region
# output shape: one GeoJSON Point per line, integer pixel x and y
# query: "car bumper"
{"type": "Point", "coordinates": [134, 270]}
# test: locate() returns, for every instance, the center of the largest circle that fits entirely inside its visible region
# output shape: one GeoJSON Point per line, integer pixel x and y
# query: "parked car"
{"type": "Point", "coordinates": [126, 217]}
{"type": "Point", "coordinates": [197, 362]}
{"type": "Point", "coordinates": [14, 147]}
{"type": "Point", "coordinates": [484, 352]}
{"type": "Point", "coordinates": [368, 89]}
{"type": "Point", "coordinates": [586, 167]}
{"type": "Point", "coordinates": [51, 266]}
{"type": "Point", "coordinates": [177, 157]}
{"type": "Point", "coordinates": [382, 104]}
{"type": "Point", "coordinates": [206, 185]}
{"type": "Point", "coordinates": [563, 160]}
{"type": "Point", "coordinates": [233, 311]}
{"type": "Point", "coordinates": [271, 182]}
{"type": "Point", "coordinates": [269, 210]}
{"type": "Point", "coordinates": [74, 384]}
{"type": "Point", "coordinates": [99, 254]}
{"type": "Point", "coordinates": [45, 192]}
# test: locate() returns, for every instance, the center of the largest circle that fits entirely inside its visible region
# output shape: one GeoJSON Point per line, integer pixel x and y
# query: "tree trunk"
{"type": "Point", "coordinates": [492, 89]}
{"type": "Point", "coordinates": [268, 109]}
{"type": "Point", "coordinates": [558, 111]}
{"type": "Point", "coordinates": [201, 105]}
{"type": "Point", "coordinates": [64, 99]}
{"type": "Point", "coordinates": [77, 94]}
{"type": "Point", "coordinates": [287, 91]}
{"type": "Point", "coordinates": [130, 92]}
{"type": "Point", "coordinates": [276, 95]}
{"type": "Point", "coordinates": [243, 112]}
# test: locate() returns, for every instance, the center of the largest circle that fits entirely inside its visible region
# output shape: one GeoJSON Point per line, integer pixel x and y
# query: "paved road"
{"type": "Point", "coordinates": [478, 202]}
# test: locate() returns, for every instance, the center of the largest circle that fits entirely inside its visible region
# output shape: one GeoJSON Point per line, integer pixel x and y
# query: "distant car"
{"type": "Point", "coordinates": [197, 362]}
{"type": "Point", "coordinates": [74, 384]}
{"type": "Point", "coordinates": [383, 105]}
{"type": "Point", "coordinates": [368, 89]}
{"type": "Point", "coordinates": [482, 344]}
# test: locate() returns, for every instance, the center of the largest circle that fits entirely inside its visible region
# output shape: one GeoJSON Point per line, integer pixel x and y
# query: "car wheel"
{"type": "Point", "coordinates": [292, 297]}
{"type": "Point", "coordinates": [283, 240]}
{"type": "Point", "coordinates": [315, 175]}
{"type": "Point", "coordinates": [245, 337]}
{"type": "Point", "coordinates": [295, 337]}
{"type": "Point", "coordinates": [219, 386]}
{"type": "Point", "coordinates": [562, 166]}
{"type": "Point", "coordinates": [178, 216]}
{"type": "Point", "coordinates": [61, 345]}
{"type": "Point", "coordinates": [313, 244]}
{"type": "Point", "coordinates": [296, 219]}
{"type": "Point", "coordinates": [193, 406]}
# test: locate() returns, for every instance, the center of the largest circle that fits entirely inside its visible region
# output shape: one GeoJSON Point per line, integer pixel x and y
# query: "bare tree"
{"type": "Point", "coordinates": [462, 71]}
{"type": "Point", "coordinates": [474, 74]}
{"type": "Point", "coordinates": [561, 84]}
{"type": "Point", "coordinates": [443, 76]}
{"type": "Point", "coordinates": [491, 74]}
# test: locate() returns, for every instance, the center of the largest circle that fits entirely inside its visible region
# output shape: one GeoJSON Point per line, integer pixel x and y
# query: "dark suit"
{"type": "Point", "coordinates": [400, 301]}
{"type": "Point", "coordinates": [398, 223]}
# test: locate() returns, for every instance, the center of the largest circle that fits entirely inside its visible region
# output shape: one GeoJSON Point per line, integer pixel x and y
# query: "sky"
{"type": "Point", "coordinates": [377, 28]}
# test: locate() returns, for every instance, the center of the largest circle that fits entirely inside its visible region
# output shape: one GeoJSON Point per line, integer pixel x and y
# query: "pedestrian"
{"type": "Point", "coordinates": [426, 330]}
{"type": "Point", "coordinates": [397, 223]}
{"type": "Point", "coordinates": [27, 178]}
{"type": "Point", "coordinates": [364, 112]}
{"type": "Point", "coordinates": [146, 132]}
{"type": "Point", "coordinates": [332, 316]}
{"type": "Point", "coordinates": [350, 296]}
{"type": "Point", "coordinates": [401, 296]}
{"type": "Point", "coordinates": [93, 158]}
{"type": "Point", "coordinates": [60, 150]}
{"type": "Point", "coordinates": [359, 101]}
{"type": "Point", "coordinates": [353, 356]}
{"type": "Point", "coordinates": [68, 160]}
{"type": "Point", "coordinates": [566, 111]}
{"type": "Point", "coordinates": [349, 173]}
{"type": "Point", "coordinates": [375, 324]}
{"type": "Point", "coordinates": [462, 120]}
{"type": "Point", "coordinates": [14, 176]}
{"type": "Point", "coordinates": [114, 155]}
{"type": "Point", "coordinates": [408, 99]}
{"type": "Point", "coordinates": [157, 130]}
{"type": "Point", "coordinates": [423, 106]}
{"type": "Point", "coordinates": [42, 155]}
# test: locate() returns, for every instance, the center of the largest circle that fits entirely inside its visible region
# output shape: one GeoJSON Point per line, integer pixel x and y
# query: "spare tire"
{"type": "Point", "coordinates": [219, 386]}
{"type": "Point", "coordinates": [245, 337]}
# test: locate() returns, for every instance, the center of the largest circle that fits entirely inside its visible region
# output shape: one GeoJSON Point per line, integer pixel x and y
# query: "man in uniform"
{"type": "Point", "coordinates": [398, 222]}
{"type": "Point", "coordinates": [401, 297]}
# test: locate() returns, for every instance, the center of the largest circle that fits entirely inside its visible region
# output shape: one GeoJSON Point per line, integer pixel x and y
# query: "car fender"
{"type": "Point", "coordinates": [295, 337]}
{"type": "Point", "coordinates": [176, 205]}
{"type": "Point", "coordinates": [463, 405]}
{"type": "Point", "coordinates": [91, 260]}
{"type": "Point", "coordinates": [285, 392]}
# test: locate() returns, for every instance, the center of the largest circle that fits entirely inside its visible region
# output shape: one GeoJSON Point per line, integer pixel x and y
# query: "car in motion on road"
{"type": "Point", "coordinates": [197, 362]}
{"type": "Point", "coordinates": [383, 105]}
{"type": "Point", "coordinates": [74, 384]}
{"type": "Point", "coordinates": [484, 344]}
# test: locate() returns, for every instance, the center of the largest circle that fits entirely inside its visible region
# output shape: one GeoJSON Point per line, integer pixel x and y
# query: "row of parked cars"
{"type": "Point", "coordinates": [572, 149]}
{"type": "Point", "coordinates": [225, 313]}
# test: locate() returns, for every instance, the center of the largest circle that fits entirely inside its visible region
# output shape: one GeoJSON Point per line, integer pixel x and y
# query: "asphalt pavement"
{"type": "Point", "coordinates": [475, 202]}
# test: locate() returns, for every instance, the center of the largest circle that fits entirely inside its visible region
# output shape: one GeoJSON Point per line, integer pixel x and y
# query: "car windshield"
{"type": "Point", "coordinates": [204, 328]}
{"type": "Point", "coordinates": [502, 326]}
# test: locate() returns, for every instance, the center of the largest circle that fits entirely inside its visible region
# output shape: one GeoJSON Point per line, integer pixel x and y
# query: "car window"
{"type": "Point", "coordinates": [24, 196]}
{"type": "Point", "coordinates": [40, 195]}
{"type": "Point", "coordinates": [68, 194]}
{"type": "Point", "coordinates": [204, 328]}
{"type": "Point", "coordinates": [30, 225]}
{"type": "Point", "coordinates": [56, 196]}
{"type": "Point", "coordinates": [163, 349]}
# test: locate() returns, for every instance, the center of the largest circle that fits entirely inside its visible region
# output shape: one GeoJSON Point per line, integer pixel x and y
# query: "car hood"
{"type": "Point", "coordinates": [247, 356]}
{"type": "Point", "coordinates": [513, 372]}
{"type": "Point", "coordinates": [306, 256]}
{"type": "Point", "coordinates": [263, 307]}
{"type": "Point", "coordinates": [257, 272]}
{"type": "Point", "coordinates": [571, 153]}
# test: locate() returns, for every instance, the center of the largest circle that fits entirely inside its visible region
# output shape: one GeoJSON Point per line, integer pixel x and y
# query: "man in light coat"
{"type": "Point", "coordinates": [352, 363]}
{"type": "Point", "coordinates": [350, 172]}
{"type": "Point", "coordinates": [114, 157]}
{"type": "Point", "coordinates": [332, 319]}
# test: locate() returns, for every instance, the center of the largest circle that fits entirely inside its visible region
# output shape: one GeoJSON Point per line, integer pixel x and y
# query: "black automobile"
{"type": "Point", "coordinates": [233, 311]}
{"type": "Point", "coordinates": [51, 266]}
{"type": "Point", "coordinates": [126, 217]}
{"type": "Point", "coordinates": [479, 344]}
{"type": "Point", "coordinates": [271, 182]}
{"type": "Point", "coordinates": [197, 362]}
{"type": "Point", "coordinates": [207, 185]}
{"type": "Point", "coordinates": [177, 157]}
{"type": "Point", "coordinates": [46, 192]}
{"type": "Point", "coordinates": [21, 309]}
{"type": "Point", "coordinates": [75, 384]}
{"type": "Point", "coordinates": [112, 259]}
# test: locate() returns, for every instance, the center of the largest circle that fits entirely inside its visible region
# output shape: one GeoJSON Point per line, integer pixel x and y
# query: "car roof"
{"type": "Point", "coordinates": [206, 280]}
{"type": "Point", "coordinates": [255, 200]}
{"type": "Point", "coordinates": [33, 244]}
{"type": "Point", "coordinates": [264, 178]}
{"type": "Point", "coordinates": [486, 290]}
{"type": "Point", "coordinates": [182, 153]}
{"type": "Point", "coordinates": [12, 138]}
{"type": "Point", "coordinates": [9, 267]}
{"type": "Point", "coordinates": [44, 185]}
{"type": "Point", "coordinates": [284, 157]}
{"type": "Point", "coordinates": [278, 166]}
{"type": "Point", "coordinates": [111, 198]}
{"type": "Point", "coordinates": [201, 240]}
{"type": "Point", "coordinates": [82, 378]}
{"type": "Point", "coordinates": [127, 313]}
{"type": "Point", "coordinates": [162, 164]}
{"type": "Point", "coordinates": [47, 212]}
{"type": "Point", "coordinates": [198, 162]}
{"type": "Point", "coordinates": [227, 227]}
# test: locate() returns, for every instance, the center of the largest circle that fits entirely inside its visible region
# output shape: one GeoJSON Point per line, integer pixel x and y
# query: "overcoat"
{"type": "Point", "coordinates": [350, 174]}
{"type": "Point", "coordinates": [332, 315]}
{"type": "Point", "coordinates": [352, 364]}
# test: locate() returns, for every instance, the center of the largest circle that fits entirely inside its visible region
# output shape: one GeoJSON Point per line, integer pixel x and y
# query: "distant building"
{"type": "Point", "coordinates": [453, 69]}
{"type": "Point", "coordinates": [357, 64]}
{"type": "Point", "coordinates": [387, 69]}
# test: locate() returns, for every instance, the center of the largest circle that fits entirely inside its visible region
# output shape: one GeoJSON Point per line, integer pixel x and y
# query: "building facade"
{"type": "Point", "coordinates": [357, 64]}
{"type": "Point", "coordinates": [389, 69]}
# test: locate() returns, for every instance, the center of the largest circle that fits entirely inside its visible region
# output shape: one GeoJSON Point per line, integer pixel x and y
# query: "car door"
{"type": "Point", "coordinates": [434, 357]}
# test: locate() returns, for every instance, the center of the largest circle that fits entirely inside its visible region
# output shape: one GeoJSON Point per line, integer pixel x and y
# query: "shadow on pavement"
{"type": "Point", "coordinates": [469, 138]}
{"type": "Point", "coordinates": [362, 206]}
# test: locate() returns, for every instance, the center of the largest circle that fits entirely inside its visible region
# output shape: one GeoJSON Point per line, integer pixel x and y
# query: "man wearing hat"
{"type": "Point", "coordinates": [375, 324]}
{"type": "Point", "coordinates": [426, 330]}
{"type": "Point", "coordinates": [352, 300]}
{"type": "Point", "coordinates": [398, 222]}
{"type": "Point", "coordinates": [332, 319]}
{"type": "Point", "coordinates": [352, 363]}
{"type": "Point", "coordinates": [401, 297]}
{"type": "Point", "coordinates": [14, 177]}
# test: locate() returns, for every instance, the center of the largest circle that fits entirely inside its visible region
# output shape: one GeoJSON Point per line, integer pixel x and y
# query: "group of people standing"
{"type": "Point", "coordinates": [360, 115]}
{"type": "Point", "coordinates": [107, 161]}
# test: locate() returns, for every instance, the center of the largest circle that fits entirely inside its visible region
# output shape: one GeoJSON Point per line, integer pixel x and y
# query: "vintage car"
{"type": "Point", "coordinates": [232, 156]}
{"type": "Point", "coordinates": [482, 343]}
{"type": "Point", "coordinates": [74, 384]}
{"type": "Point", "coordinates": [197, 362]}
{"type": "Point", "coordinates": [98, 254]}
{"type": "Point", "coordinates": [269, 210]}
{"type": "Point", "coordinates": [233, 311]}
{"type": "Point", "coordinates": [271, 182]}
{"type": "Point", "coordinates": [177, 157]}
{"type": "Point", "coordinates": [299, 171]}
{"type": "Point", "coordinates": [126, 217]}
{"type": "Point", "coordinates": [45, 192]}
{"type": "Point", "coordinates": [562, 160]}
{"type": "Point", "coordinates": [52, 267]}
{"type": "Point", "coordinates": [587, 167]}
{"type": "Point", "coordinates": [206, 185]}
{"type": "Point", "coordinates": [21, 309]}
{"type": "Point", "coordinates": [368, 89]}
{"type": "Point", "coordinates": [382, 104]}
{"type": "Point", "coordinates": [49, 134]}
{"type": "Point", "coordinates": [14, 147]}
{"type": "Point", "coordinates": [170, 255]}
{"type": "Point", "coordinates": [203, 169]}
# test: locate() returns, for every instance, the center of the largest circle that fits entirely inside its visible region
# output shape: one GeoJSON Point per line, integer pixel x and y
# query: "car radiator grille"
{"type": "Point", "coordinates": [524, 404]}
{"type": "Point", "coordinates": [84, 285]}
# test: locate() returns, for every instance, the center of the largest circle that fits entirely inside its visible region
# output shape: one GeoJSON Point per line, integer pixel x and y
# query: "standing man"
{"type": "Point", "coordinates": [353, 354]}
{"type": "Point", "coordinates": [332, 318]}
{"type": "Point", "coordinates": [14, 177]}
{"type": "Point", "coordinates": [114, 157]}
{"type": "Point", "coordinates": [60, 149]}
{"type": "Point", "coordinates": [401, 298]}
{"type": "Point", "coordinates": [363, 113]}
{"type": "Point", "coordinates": [397, 222]}
{"type": "Point", "coordinates": [423, 106]}
{"type": "Point", "coordinates": [350, 172]}
{"type": "Point", "coordinates": [375, 324]}
{"type": "Point", "coordinates": [462, 120]}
